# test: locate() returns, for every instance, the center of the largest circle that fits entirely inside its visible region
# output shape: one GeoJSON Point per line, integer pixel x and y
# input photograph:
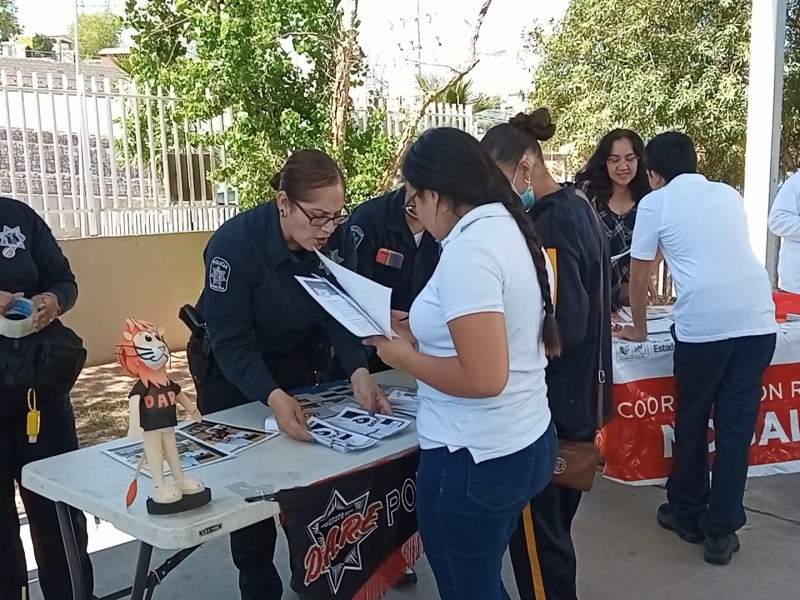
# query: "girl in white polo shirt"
{"type": "Point", "coordinates": [479, 338]}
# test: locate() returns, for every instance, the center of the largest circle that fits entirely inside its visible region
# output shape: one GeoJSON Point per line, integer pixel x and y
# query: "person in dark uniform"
{"type": "Point", "coordinates": [542, 551]}
{"type": "Point", "coordinates": [265, 329]}
{"type": "Point", "coordinates": [394, 250]}
{"type": "Point", "coordinates": [33, 266]}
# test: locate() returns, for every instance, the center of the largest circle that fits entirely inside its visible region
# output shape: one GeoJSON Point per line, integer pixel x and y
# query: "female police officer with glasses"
{"type": "Point", "coordinates": [266, 332]}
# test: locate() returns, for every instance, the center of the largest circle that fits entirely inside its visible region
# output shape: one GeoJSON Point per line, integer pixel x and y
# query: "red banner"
{"type": "Point", "coordinates": [638, 442]}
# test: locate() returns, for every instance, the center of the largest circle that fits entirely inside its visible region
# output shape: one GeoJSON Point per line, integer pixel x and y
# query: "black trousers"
{"type": "Point", "coordinates": [56, 436]}
{"type": "Point", "coordinates": [725, 377]}
{"type": "Point", "coordinates": [252, 548]}
{"type": "Point", "coordinates": [542, 552]}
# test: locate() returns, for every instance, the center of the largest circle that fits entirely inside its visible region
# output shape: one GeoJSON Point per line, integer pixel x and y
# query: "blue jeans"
{"type": "Point", "coordinates": [467, 513]}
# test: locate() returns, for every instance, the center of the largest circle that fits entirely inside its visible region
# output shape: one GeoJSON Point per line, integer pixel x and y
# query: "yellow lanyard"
{"type": "Point", "coordinates": [33, 417]}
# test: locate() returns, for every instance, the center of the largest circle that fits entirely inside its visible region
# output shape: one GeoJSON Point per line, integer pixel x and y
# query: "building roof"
{"type": "Point", "coordinates": [43, 67]}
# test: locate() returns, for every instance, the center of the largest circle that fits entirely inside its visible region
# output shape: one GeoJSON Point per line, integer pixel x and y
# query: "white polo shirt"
{"type": "Point", "coordinates": [485, 266]}
{"type": "Point", "coordinates": [723, 291]}
{"type": "Point", "coordinates": [784, 221]}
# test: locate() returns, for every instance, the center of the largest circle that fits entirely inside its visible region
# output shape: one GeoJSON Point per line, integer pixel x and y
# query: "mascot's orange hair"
{"type": "Point", "coordinates": [129, 355]}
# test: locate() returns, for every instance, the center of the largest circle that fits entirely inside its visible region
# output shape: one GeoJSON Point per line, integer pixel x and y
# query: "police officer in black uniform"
{"type": "Point", "coordinates": [394, 250]}
{"type": "Point", "coordinates": [33, 266]}
{"type": "Point", "coordinates": [264, 330]}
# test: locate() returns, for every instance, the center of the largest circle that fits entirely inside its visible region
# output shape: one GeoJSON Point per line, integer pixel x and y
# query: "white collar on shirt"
{"type": "Point", "coordinates": [493, 209]}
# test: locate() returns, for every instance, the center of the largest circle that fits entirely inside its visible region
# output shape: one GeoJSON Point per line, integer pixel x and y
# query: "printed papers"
{"type": "Point", "coordinates": [379, 427]}
{"type": "Point", "coordinates": [193, 454]}
{"type": "Point", "coordinates": [373, 298]}
{"type": "Point", "coordinates": [226, 438]}
{"type": "Point", "coordinates": [336, 438]}
{"type": "Point", "coordinates": [340, 306]}
{"type": "Point", "coordinates": [404, 403]}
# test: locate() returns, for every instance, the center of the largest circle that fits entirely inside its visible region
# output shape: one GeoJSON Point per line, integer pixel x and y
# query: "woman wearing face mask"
{"type": "Point", "coordinates": [480, 334]}
{"type": "Point", "coordinates": [615, 180]}
{"type": "Point", "coordinates": [542, 551]}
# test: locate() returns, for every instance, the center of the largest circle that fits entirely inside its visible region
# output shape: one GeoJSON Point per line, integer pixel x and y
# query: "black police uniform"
{"type": "Point", "coordinates": [266, 333]}
{"type": "Point", "coordinates": [380, 224]}
{"type": "Point", "coordinates": [569, 229]}
{"type": "Point", "coordinates": [32, 263]}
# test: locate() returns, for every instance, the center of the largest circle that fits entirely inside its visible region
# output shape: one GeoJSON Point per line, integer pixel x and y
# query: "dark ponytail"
{"type": "Point", "coordinates": [452, 163]}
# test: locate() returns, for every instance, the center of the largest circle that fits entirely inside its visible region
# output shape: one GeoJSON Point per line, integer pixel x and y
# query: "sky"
{"type": "Point", "coordinates": [389, 36]}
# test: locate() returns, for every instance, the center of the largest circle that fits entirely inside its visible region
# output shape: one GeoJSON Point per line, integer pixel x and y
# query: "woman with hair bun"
{"type": "Point", "coordinates": [267, 335]}
{"type": "Point", "coordinates": [542, 551]}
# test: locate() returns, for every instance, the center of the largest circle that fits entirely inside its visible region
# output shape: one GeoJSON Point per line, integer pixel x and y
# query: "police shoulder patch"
{"type": "Point", "coordinates": [218, 273]}
{"type": "Point", "coordinates": [358, 235]}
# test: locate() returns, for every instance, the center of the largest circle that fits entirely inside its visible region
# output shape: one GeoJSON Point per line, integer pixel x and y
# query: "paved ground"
{"type": "Point", "coordinates": [623, 554]}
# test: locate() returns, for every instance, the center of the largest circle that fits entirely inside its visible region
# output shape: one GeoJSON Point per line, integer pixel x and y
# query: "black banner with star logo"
{"type": "Point", "coordinates": [353, 536]}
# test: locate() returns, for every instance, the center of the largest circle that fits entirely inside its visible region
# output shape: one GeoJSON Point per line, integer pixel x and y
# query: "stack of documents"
{"type": "Point", "coordinates": [336, 438]}
{"type": "Point", "coordinates": [404, 403]}
{"type": "Point", "coordinates": [377, 426]}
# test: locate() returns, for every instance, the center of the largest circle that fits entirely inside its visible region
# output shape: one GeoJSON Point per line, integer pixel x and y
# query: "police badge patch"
{"type": "Point", "coordinates": [218, 272]}
{"type": "Point", "coordinates": [358, 235]}
{"type": "Point", "coordinates": [11, 240]}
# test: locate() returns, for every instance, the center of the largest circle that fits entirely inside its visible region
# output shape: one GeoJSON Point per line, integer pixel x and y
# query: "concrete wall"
{"type": "Point", "coordinates": [148, 276]}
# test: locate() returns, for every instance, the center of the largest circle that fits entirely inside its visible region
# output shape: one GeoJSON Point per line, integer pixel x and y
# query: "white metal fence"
{"type": "Point", "coordinates": [100, 157]}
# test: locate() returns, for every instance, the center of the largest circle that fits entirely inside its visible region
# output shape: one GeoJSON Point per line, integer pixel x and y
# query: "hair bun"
{"type": "Point", "coordinates": [538, 124]}
{"type": "Point", "coordinates": [275, 182]}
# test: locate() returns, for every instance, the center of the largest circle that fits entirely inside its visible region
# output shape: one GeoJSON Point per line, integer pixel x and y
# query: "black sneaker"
{"type": "Point", "coordinates": [720, 550]}
{"type": "Point", "coordinates": [409, 577]}
{"type": "Point", "coordinates": [666, 519]}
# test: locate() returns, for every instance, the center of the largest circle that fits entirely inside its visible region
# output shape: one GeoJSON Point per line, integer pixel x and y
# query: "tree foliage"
{"type": "Point", "coordinates": [459, 93]}
{"type": "Point", "coordinates": [97, 31]}
{"type": "Point", "coordinates": [9, 24]}
{"type": "Point", "coordinates": [271, 63]}
{"type": "Point", "coordinates": [41, 45]}
{"type": "Point", "coordinates": [650, 65]}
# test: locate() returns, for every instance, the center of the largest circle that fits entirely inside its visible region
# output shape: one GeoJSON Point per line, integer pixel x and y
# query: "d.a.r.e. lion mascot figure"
{"type": "Point", "coordinates": [144, 354]}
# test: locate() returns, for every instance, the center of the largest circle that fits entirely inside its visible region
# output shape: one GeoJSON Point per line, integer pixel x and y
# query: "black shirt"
{"type": "Point", "coordinates": [380, 224]}
{"type": "Point", "coordinates": [261, 322]}
{"type": "Point", "coordinates": [157, 404]}
{"type": "Point", "coordinates": [31, 261]}
{"type": "Point", "coordinates": [567, 223]}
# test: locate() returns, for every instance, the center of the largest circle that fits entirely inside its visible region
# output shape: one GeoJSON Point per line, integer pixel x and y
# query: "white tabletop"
{"type": "Point", "coordinates": [95, 483]}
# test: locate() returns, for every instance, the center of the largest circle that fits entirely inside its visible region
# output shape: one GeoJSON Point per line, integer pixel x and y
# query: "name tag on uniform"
{"type": "Point", "coordinates": [390, 258]}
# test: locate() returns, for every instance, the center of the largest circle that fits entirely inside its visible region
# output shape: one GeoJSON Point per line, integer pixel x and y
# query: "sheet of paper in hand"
{"type": "Point", "coordinates": [322, 404]}
{"type": "Point", "coordinates": [338, 439]}
{"type": "Point", "coordinates": [378, 427]}
{"type": "Point", "coordinates": [340, 306]}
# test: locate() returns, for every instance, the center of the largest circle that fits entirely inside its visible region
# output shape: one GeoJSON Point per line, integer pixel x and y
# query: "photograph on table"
{"type": "Point", "coordinates": [337, 439]}
{"type": "Point", "coordinates": [193, 454]}
{"type": "Point", "coordinates": [227, 438]}
{"type": "Point", "coordinates": [376, 426]}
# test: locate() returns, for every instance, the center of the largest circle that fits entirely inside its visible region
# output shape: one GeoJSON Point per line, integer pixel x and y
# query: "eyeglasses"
{"type": "Point", "coordinates": [320, 221]}
{"type": "Point", "coordinates": [410, 205]}
{"type": "Point", "coordinates": [615, 159]}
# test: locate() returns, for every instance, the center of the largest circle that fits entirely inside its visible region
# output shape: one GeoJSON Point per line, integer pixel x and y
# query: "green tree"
{"type": "Point", "coordinates": [9, 25]}
{"type": "Point", "coordinates": [277, 64]}
{"type": "Point", "coordinates": [459, 93]}
{"type": "Point", "coordinates": [790, 130]}
{"type": "Point", "coordinates": [97, 31]}
{"type": "Point", "coordinates": [650, 65]}
{"type": "Point", "coordinates": [42, 45]}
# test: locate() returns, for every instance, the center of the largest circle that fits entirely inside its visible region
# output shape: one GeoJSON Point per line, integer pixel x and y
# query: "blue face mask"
{"type": "Point", "coordinates": [528, 198]}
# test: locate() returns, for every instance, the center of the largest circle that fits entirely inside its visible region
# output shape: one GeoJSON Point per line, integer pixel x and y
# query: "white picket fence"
{"type": "Point", "coordinates": [100, 157]}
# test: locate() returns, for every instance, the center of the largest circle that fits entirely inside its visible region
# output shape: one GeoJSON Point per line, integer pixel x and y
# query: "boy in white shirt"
{"type": "Point", "coordinates": [725, 332]}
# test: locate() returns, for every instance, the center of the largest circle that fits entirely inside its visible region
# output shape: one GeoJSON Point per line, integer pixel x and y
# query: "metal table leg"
{"type": "Point", "coordinates": [142, 571]}
{"type": "Point", "coordinates": [71, 550]}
